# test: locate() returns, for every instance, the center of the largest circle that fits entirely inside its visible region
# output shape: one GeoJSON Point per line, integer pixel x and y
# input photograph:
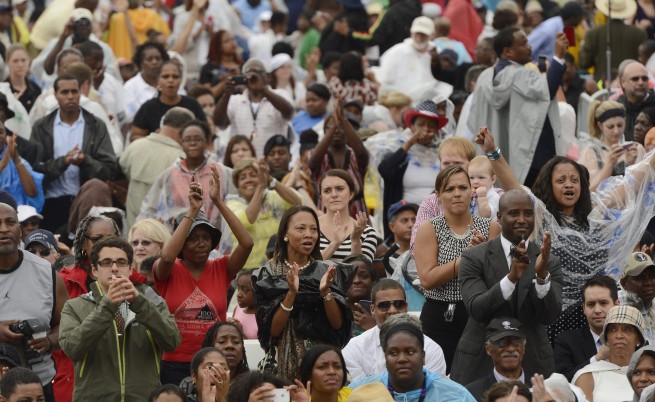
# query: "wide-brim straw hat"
{"type": "Point", "coordinates": [617, 9]}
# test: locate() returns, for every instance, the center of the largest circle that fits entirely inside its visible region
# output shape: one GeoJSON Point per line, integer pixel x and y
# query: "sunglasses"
{"type": "Point", "coordinates": [44, 252]}
{"type": "Point", "coordinates": [144, 243]}
{"type": "Point", "coordinates": [31, 222]}
{"type": "Point", "coordinates": [384, 306]}
{"type": "Point", "coordinates": [505, 342]}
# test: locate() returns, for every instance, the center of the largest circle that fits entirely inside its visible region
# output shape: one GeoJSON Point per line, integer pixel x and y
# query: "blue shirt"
{"type": "Point", "coordinates": [542, 38]}
{"type": "Point", "coordinates": [248, 14]}
{"type": "Point", "coordinates": [65, 138]}
{"type": "Point", "coordinates": [439, 388]}
{"type": "Point", "coordinates": [303, 121]}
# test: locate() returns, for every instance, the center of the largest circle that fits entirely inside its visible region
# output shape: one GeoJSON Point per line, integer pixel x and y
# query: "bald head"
{"type": "Point", "coordinates": [516, 215]}
{"type": "Point", "coordinates": [9, 233]}
{"type": "Point", "coordinates": [634, 82]}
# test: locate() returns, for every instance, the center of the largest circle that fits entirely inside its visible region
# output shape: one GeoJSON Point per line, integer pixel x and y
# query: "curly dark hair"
{"type": "Point", "coordinates": [210, 338]}
{"type": "Point", "coordinates": [543, 189]}
{"type": "Point", "coordinates": [138, 54]}
{"type": "Point", "coordinates": [80, 236]}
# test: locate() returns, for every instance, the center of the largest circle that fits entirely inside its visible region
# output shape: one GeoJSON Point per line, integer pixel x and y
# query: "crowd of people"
{"type": "Point", "coordinates": [334, 200]}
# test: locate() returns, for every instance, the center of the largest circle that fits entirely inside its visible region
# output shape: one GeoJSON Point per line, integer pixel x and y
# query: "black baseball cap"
{"type": "Point", "coordinates": [501, 327]}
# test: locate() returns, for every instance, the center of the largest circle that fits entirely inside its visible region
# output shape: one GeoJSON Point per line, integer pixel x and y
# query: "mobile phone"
{"type": "Point", "coordinates": [542, 63]}
{"type": "Point", "coordinates": [627, 145]}
{"type": "Point", "coordinates": [366, 304]}
{"type": "Point", "coordinates": [239, 79]}
{"type": "Point", "coordinates": [281, 395]}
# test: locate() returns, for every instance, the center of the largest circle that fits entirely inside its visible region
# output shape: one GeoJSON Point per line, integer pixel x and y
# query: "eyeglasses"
{"type": "Point", "coordinates": [96, 239]}
{"type": "Point", "coordinates": [108, 262]}
{"type": "Point", "coordinates": [384, 306]}
{"type": "Point", "coordinates": [44, 252]}
{"type": "Point", "coordinates": [31, 222]}
{"type": "Point", "coordinates": [144, 243]}
{"type": "Point", "coordinates": [505, 342]}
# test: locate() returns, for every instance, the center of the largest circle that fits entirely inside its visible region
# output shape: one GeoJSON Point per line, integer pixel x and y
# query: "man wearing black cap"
{"type": "Point", "coordinates": [505, 345]}
{"type": "Point", "coordinates": [42, 242]}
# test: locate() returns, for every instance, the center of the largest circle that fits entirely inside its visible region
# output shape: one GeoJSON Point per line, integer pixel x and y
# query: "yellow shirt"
{"type": "Point", "coordinates": [344, 393]}
{"type": "Point", "coordinates": [143, 20]}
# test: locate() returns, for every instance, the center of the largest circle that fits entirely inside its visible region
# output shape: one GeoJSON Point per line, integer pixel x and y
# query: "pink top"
{"type": "Point", "coordinates": [248, 323]}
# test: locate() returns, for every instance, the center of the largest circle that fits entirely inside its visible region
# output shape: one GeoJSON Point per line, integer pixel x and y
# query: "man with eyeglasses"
{"type": "Point", "coordinates": [505, 345]}
{"type": "Point", "coordinates": [118, 328]}
{"type": "Point", "coordinates": [637, 94]}
{"type": "Point", "coordinates": [42, 243]}
{"type": "Point", "coordinates": [364, 355]}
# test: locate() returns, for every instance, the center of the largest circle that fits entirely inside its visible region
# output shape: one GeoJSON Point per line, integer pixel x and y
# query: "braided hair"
{"type": "Point", "coordinates": [80, 235]}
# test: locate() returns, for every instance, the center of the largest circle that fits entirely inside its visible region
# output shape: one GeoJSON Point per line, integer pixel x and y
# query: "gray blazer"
{"type": "Point", "coordinates": [481, 271]}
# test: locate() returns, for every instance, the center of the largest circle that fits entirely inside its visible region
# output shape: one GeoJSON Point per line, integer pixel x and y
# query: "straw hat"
{"type": "Point", "coordinates": [620, 9]}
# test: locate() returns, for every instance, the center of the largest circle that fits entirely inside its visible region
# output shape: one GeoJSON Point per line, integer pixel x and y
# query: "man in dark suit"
{"type": "Point", "coordinates": [576, 348]}
{"type": "Point", "coordinates": [509, 277]}
{"type": "Point", "coordinates": [505, 345]}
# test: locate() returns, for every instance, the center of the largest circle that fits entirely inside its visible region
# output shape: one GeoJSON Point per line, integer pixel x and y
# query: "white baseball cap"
{"type": "Point", "coordinates": [25, 212]}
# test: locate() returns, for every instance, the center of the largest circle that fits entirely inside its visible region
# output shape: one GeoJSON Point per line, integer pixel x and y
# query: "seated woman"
{"type": "Point", "coordinates": [261, 202]}
{"type": "Point", "coordinates": [147, 238]}
{"type": "Point", "coordinates": [168, 198]}
{"type": "Point", "coordinates": [239, 147]}
{"type": "Point", "coordinates": [228, 338]}
{"type": "Point", "coordinates": [607, 154]}
{"type": "Point", "coordinates": [605, 380]}
{"type": "Point", "coordinates": [402, 341]}
{"type": "Point", "coordinates": [359, 291]}
{"type": "Point", "coordinates": [194, 287]}
{"type": "Point", "coordinates": [300, 300]}
{"type": "Point", "coordinates": [148, 117]}
{"type": "Point", "coordinates": [340, 234]}
{"type": "Point", "coordinates": [315, 110]}
{"type": "Point", "coordinates": [210, 375]}
{"type": "Point", "coordinates": [641, 371]}
{"type": "Point", "coordinates": [324, 367]}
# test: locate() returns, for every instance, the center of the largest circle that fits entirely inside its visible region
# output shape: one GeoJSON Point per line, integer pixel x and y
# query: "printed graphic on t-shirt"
{"type": "Point", "coordinates": [196, 314]}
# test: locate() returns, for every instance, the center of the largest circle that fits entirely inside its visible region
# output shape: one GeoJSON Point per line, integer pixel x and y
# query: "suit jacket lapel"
{"type": "Point", "coordinates": [497, 259]}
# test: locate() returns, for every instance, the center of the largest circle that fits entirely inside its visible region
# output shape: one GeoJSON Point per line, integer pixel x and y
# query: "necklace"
{"type": "Point", "coordinates": [288, 265]}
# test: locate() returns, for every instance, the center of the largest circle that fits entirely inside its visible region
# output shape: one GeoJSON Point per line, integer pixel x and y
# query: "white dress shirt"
{"type": "Point", "coordinates": [364, 355]}
{"type": "Point", "coordinates": [501, 378]}
{"type": "Point", "coordinates": [506, 286]}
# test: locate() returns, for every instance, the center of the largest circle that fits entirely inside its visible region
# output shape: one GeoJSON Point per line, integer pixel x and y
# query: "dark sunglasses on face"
{"type": "Point", "coordinates": [44, 252]}
{"type": "Point", "coordinates": [31, 222]}
{"type": "Point", "coordinates": [144, 243]}
{"type": "Point", "coordinates": [384, 306]}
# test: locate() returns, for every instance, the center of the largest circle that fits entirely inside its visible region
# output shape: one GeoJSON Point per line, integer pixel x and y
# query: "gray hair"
{"type": "Point", "coordinates": [177, 117]}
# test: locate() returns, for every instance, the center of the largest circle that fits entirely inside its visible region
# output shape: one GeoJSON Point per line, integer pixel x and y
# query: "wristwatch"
{"type": "Point", "coordinates": [272, 183]}
{"type": "Point", "coordinates": [495, 155]}
{"type": "Point", "coordinates": [328, 297]}
{"type": "Point", "coordinates": [542, 281]}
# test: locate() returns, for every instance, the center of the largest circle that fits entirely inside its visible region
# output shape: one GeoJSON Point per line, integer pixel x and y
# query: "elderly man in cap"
{"type": "Point", "coordinates": [78, 30]}
{"type": "Point", "coordinates": [406, 67]}
{"type": "Point", "coordinates": [259, 112]}
{"type": "Point", "coordinates": [505, 345]}
{"type": "Point", "coordinates": [42, 243]}
{"type": "Point", "coordinates": [638, 289]}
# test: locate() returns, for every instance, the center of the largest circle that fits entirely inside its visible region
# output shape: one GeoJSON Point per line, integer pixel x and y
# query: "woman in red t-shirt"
{"type": "Point", "coordinates": [194, 287]}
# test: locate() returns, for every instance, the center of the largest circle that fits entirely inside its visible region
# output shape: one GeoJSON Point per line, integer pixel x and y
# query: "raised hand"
{"type": "Point", "coordinates": [292, 278]}
{"type": "Point", "coordinates": [541, 266]}
{"type": "Point", "coordinates": [262, 173]}
{"type": "Point", "coordinates": [477, 238]}
{"type": "Point", "coordinates": [215, 187]}
{"type": "Point", "coordinates": [363, 318]}
{"type": "Point", "coordinates": [327, 279]}
{"type": "Point", "coordinates": [360, 225]}
{"type": "Point", "coordinates": [300, 393]}
{"type": "Point", "coordinates": [340, 229]}
{"type": "Point", "coordinates": [195, 196]}
{"type": "Point", "coordinates": [520, 262]}
{"type": "Point", "coordinates": [485, 140]}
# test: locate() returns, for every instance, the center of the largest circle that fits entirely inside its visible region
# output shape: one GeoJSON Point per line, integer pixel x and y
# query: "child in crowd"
{"type": "Point", "coordinates": [245, 311]}
{"type": "Point", "coordinates": [485, 197]}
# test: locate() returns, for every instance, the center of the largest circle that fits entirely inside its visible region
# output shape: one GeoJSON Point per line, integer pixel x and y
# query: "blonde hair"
{"type": "Point", "coordinates": [483, 160]}
{"type": "Point", "coordinates": [152, 229]}
{"type": "Point", "coordinates": [395, 99]}
{"type": "Point", "coordinates": [463, 145]}
{"type": "Point", "coordinates": [596, 111]}
{"type": "Point", "coordinates": [15, 48]}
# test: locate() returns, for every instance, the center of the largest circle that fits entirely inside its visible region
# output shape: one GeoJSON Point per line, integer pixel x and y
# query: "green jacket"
{"type": "Point", "coordinates": [109, 367]}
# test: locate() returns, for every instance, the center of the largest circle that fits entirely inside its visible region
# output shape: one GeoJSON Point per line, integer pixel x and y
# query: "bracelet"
{"type": "Point", "coordinates": [495, 155]}
{"type": "Point", "coordinates": [50, 343]}
{"type": "Point", "coordinates": [285, 308]}
{"type": "Point", "coordinates": [20, 164]}
{"type": "Point", "coordinates": [190, 218]}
